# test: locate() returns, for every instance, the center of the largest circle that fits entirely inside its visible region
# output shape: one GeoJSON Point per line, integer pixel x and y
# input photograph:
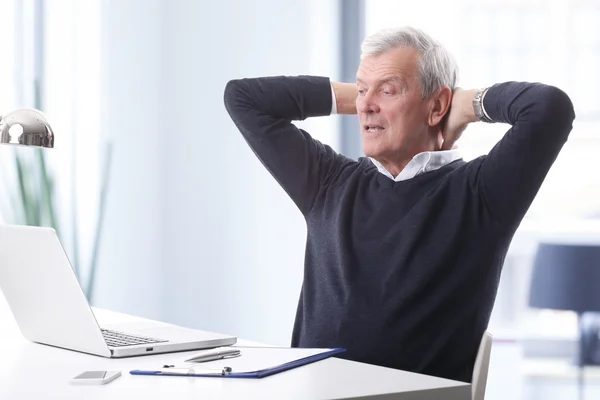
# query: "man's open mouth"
{"type": "Point", "coordinates": [373, 128]}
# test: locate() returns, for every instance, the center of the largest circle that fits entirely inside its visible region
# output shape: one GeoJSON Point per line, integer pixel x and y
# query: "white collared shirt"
{"type": "Point", "coordinates": [420, 163]}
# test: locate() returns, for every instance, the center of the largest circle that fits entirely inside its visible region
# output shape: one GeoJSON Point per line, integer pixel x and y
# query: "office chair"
{"type": "Point", "coordinates": [480, 370]}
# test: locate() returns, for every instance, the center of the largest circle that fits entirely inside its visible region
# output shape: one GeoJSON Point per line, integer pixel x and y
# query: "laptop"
{"type": "Point", "coordinates": [49, 305]}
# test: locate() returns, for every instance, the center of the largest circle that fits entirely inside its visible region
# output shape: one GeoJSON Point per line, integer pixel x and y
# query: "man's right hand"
{"type": "Point", "coordinates": [345, 97]}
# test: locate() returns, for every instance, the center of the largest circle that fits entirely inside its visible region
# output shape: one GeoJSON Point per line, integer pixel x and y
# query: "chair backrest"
{"type": "Point", "coordinates": [480, 371]}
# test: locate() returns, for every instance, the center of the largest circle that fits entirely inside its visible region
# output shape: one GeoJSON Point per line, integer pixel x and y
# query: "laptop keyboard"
{"type": "Point", "coordinates": [119, 339]}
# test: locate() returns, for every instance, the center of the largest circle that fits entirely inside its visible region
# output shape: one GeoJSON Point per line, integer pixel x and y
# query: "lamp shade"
{"type": "Point", "coordinates": [26, 127]}
{"type": "Point", "coordinates": [566, 276]}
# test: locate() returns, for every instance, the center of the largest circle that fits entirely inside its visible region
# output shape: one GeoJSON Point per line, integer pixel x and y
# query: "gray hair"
{"type": "Point", "coordinates": [437, 66]}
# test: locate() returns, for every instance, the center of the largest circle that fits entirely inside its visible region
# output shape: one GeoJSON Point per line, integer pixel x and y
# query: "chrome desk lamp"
{"type": "Point", "coordinates": [26, 127]}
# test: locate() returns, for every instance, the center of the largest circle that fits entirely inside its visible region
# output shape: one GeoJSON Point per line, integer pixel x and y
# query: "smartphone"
{"type": "Point", "coordinates": [95, 377]}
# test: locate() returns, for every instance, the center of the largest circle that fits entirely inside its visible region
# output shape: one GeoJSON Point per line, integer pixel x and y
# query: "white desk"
{"type": "Point", "coordinates": [34, 371]}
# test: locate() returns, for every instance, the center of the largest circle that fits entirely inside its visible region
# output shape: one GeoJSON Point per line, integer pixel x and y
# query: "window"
{"type": "Point", "coordinates": [16, 85]}
{"type": "Point", "coordinates": [55, 47]}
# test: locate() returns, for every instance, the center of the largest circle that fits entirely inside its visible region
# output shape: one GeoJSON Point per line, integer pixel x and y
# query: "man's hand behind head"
{"type": "Point", "coordinates": [460, 115]}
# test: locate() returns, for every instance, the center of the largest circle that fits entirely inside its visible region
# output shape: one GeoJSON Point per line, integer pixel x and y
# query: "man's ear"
{"type": "Point", "coordinates": [440, 106]}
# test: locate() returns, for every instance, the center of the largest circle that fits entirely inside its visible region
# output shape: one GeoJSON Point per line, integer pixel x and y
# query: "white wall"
{"type": "Point", "coordinates": [129, 270]}
{"type": "Point", "coordinates": [198, 232]}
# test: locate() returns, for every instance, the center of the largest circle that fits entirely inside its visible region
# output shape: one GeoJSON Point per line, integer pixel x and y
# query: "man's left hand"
{"type": "Point", "coordinates": [460, 115]}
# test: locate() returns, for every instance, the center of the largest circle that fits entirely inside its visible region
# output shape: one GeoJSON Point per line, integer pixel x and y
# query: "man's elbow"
{"type": "Point", "coordinates": [558, 108]}
{"type": "Point", "coordinates": [232, 93]}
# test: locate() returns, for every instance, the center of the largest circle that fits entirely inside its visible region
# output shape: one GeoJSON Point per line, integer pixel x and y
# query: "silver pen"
{"type": "Point", "coordinates": [217, 354]}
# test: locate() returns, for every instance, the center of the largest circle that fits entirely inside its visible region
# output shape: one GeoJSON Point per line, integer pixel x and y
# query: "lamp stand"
{"type": "Point", "coordinates": [588, 346]}
{"type": "Point", "coordinates": [580, 358]}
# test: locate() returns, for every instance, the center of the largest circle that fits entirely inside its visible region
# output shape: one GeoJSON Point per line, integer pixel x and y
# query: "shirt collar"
{"type": "Point", "coordinates": [420, 163]}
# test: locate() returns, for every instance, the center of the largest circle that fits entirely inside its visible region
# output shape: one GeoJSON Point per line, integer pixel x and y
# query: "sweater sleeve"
{"type": "Point", "coordinates": [512, 173]}
{"type": "Point", "coordinates": [263, 110]}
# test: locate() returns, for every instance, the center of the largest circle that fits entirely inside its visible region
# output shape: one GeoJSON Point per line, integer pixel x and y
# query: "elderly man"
{"type": "Point", "coordinates": [405, 246]}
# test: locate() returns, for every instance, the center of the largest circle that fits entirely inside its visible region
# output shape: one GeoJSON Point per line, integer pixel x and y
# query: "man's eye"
{"type": "Point", "coordinates": [361, 91]}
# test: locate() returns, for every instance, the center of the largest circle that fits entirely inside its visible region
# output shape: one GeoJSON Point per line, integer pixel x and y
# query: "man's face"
{"type": "Point", "coordinates": [391, 111]}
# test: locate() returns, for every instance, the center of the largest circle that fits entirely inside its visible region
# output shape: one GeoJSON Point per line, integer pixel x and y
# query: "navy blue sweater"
{"type": "Point", "coordinates": [401, 274]}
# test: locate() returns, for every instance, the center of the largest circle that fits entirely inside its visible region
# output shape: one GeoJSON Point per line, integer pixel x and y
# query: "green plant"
{"type": "Point", "coordinates": [33, 202]}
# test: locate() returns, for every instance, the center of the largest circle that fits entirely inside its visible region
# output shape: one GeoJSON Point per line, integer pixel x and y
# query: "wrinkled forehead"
{"type": "Point", "coordinates": [401, 64]}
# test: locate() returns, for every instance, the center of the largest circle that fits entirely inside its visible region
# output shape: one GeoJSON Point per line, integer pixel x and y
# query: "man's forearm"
{"type": "Point", "coordinates": [541, 118]}
{"type": "Point", "coordinates": [263, 110]}
{"type": "Point", "coordinates": [345, 97]}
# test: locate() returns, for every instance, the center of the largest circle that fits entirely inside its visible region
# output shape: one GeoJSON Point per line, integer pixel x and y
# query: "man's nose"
{"type": "Point", "coordinates": [366, 104]}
